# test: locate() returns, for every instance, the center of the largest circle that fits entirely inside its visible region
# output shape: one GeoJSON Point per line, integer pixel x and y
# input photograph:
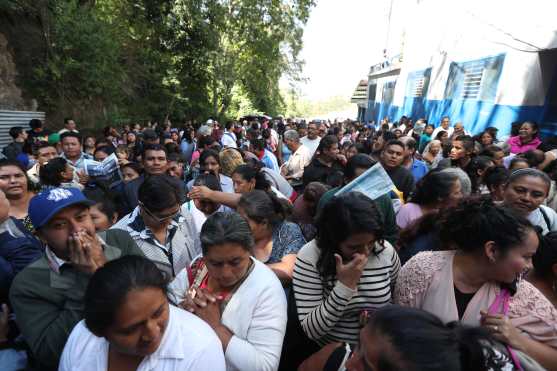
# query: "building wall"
{"type": "Point", "coordinates": [447, 35]}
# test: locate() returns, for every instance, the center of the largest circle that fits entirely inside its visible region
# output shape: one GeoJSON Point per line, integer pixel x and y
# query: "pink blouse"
{"type": "Point", "coordinates": [407, 214]}
{"type": "Point", "coordinates": [426, 282]}
{"type": "Point", "coordinates": [517, 146]}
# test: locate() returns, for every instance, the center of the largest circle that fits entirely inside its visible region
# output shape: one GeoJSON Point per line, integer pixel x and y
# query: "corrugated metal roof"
{"type": "Point", "coordinates": [9, 119]}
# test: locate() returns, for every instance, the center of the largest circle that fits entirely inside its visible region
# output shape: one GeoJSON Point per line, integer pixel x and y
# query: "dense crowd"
{"type": "Point", "coordinates": [234, 247]}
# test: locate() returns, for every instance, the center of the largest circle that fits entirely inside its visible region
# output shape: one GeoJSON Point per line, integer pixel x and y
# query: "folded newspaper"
{"type": "Point", "coordinates": [374, 182]}
{"type": "Point", "coordinates": [107, 171]}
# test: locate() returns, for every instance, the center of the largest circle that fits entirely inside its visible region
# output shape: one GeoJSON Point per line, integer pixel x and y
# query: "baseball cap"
{"type": "Point", "coordinates": [49, 202]}
{"type": "Point", "coordinates": [53, 138]}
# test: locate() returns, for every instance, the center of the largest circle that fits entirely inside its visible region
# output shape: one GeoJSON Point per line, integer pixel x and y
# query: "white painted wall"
{"type": "Point", "coordinates": [433, 33]}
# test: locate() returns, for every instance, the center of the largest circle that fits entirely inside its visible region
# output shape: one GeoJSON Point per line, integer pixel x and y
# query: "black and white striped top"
{"type": "Point", "coordinates": [331, 312]}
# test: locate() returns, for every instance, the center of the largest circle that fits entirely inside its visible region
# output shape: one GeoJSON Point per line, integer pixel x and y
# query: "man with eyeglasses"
{"type": "Point", "coordinates": [163, 232]}
{"type": "Point", "coordinates": [47, 295]}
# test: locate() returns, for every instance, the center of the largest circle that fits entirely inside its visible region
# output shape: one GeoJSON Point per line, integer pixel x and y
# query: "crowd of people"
{"type": "Point", "coordinates": [235, 247]}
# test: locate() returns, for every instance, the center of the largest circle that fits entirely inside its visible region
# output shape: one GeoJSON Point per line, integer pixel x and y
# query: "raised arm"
{"type": "Point", "coordinates": [229, 199]}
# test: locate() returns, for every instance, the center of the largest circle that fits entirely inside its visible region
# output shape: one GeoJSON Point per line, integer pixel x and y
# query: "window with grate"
{"type": "Point", "coordinates": [473, 74]}
{"type": "Point", "coordinates": [477, 79]}
{"type": "Point", "coordinates": [417, 83]}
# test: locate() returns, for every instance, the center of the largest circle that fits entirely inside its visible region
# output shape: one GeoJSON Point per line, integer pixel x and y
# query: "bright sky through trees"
{"type": "Point", "coordinates": [342, 39]}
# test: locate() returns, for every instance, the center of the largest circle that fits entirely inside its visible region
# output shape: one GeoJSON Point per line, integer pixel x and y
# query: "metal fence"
{"type": "Point", "coordinates": [9, 119]}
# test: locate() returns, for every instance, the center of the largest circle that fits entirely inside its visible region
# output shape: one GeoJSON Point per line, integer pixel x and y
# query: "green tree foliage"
{"type": "Point", "coordinates": [107, 60]}
{"type": "Point", "coordinates": [298, 106]}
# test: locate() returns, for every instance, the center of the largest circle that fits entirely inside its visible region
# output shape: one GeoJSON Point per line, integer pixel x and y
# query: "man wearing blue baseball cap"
{"type": "Point", "coordinates": [47, 296]}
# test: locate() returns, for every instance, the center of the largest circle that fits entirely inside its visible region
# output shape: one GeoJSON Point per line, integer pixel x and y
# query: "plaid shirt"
{"type": "Point", "coordinates": [182, 243]}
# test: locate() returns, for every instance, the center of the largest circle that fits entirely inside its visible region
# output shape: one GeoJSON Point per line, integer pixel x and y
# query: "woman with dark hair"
{"type": "Point", "coordinates": [103, 152]}
{"type": "Point", "coordinates": [89, 144]}
{"type": "Point", "coordinates": [276, 241]}
{"type": "Point", "coordinates": [131, 171]}
{"type": "Point", "coordinates": [518, 162]}
{"type": "Point", "coordinates": [346, 271]}
{"type": "Point", "coordinates": [15, 185]}
{"type": "Point", "coordinates": [442, 136]}
{"type": "Point", "coordinates": [485, 139]}
{"type": "Point", "coordinates": [129, 325]}
{"type": "Point", "coordinates": [131, 141]}
{"type": "Point", "coordinates": [246, 178]}
{"type": "Point", "coordinates": [326, 160]}
{"type": "Point", "coordinates": [103, 212]}
{"type": "Point", "coordinates": [478, 166]}
{"type": "Point", "coordinates": [209, 162]}
{"type": "Point", "coordinates": [305, 208]}
{"type": "Point", "coordinates": [496, 153]}
{"type": "Point", "coordinates": [175, 136]}
{"type": "Point", "coordinates": [495, 179]}
{"type": "Point", "coordinates": [544, 274]}
{"type": "Point", "coordinates": [525, 192]}
{"type": "Point", "coordinates": [395, 337]}
{"type": "Point", "coordinates": [436, 190]}
{"type": "Point", "coordinates": [58, 173]}
{"type": "Point", "coordinates": [478, 281]}
{"type": "Point", "coordinates": [350, 149]}
{"type": "Point", "coordinates": [238, 296]}
{"type": "Point", "coordinates": [527, 138]}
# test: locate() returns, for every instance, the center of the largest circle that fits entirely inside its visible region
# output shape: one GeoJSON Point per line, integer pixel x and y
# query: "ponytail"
{"type": "Point", "coordinates": [262, 206]}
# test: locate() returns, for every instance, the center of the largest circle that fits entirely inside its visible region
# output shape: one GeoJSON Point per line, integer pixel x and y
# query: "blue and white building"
{"type": "Point", "coordinates": [483, 63]}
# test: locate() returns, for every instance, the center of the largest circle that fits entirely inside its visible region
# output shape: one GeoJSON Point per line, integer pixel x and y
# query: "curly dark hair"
{"type": "Point", "coordinates": [340, 218]}
{"type": "Point", "coordinates": [478, 220]}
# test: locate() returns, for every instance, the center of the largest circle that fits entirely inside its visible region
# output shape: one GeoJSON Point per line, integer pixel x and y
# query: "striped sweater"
{"type": "Point", "coordinates": [331, 312]}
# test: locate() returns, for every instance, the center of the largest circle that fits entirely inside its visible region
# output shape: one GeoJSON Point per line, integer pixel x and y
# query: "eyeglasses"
{"type": "Point", "coordinates": [159, 219]}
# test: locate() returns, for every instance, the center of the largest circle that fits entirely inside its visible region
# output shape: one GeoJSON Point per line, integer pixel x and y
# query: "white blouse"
{"type": "Point", "coordinates": [256, 315]}
{"type": "Point", "coordinates": [187, 344]}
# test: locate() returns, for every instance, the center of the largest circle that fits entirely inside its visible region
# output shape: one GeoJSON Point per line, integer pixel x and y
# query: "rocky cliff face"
{"type": "Point", "coordinates": [10, 94]}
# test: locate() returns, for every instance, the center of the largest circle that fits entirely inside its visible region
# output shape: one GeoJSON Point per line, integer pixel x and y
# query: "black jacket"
{"type": "Point", "coordinates": [12, 150]}
{"type": "Point", "coordinates": [316, 171]}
